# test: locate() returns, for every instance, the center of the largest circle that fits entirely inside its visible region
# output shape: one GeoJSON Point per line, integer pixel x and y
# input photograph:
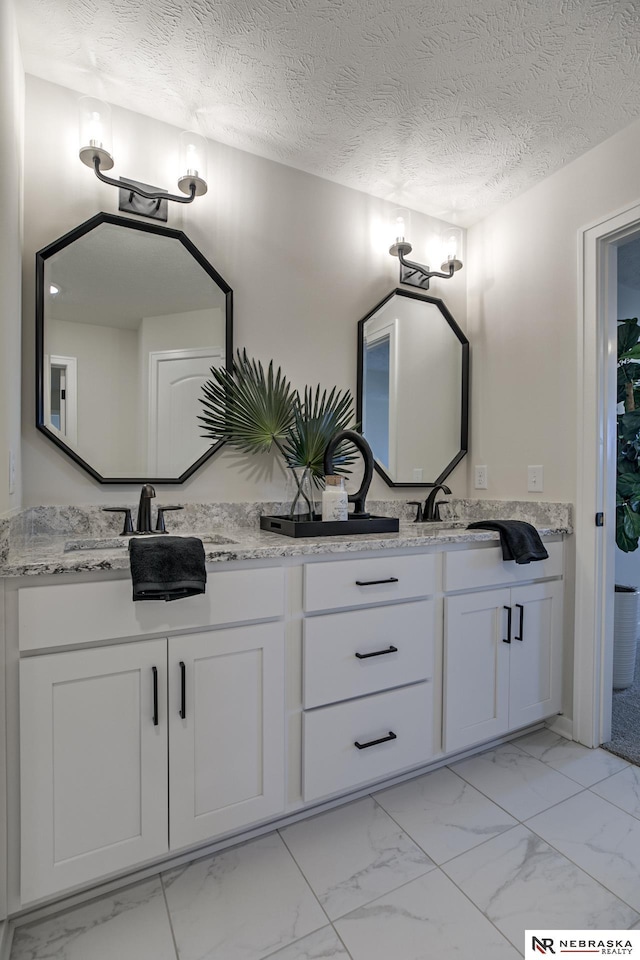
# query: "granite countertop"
{"type": "Point", "coordinates": [53, 553]}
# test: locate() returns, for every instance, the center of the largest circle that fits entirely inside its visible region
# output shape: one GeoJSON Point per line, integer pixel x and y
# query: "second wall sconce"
{"type": "Point", "coordinates": [96, 152]}
{"type": "Point", "coordinates": [417, 274]}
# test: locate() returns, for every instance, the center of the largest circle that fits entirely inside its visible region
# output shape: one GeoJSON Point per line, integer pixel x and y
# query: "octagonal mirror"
{"type": "Point", "coordinates": [130, 319]}
{"type": "Point", "coordinates": [413, 388]}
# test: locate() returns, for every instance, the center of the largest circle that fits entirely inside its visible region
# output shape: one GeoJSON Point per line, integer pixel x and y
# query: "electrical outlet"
{"type": "Point", "coordinates": [536, 479]}
{"type": "Point", "coordinates": [12, 471]}
{"type": "Point", "coordinates": [418, 475]}
{"type": "Point", "coordinates": [480, 478]}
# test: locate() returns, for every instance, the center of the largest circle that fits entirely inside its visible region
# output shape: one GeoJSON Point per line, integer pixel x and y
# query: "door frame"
{"type": "Point", "coordinates": [70, 433]}
{"type": "Point", "coordinates": [596, 462]}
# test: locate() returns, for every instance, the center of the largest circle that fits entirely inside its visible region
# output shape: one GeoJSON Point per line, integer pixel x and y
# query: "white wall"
{"type": "Point", "coordinates": [522, 325]}
{"type": "Point", "coordinates": [107, 394]}
{"type": "Point", "coordinates": [11, 135]}
{"type": "Point", "coordinates": [306, 259]}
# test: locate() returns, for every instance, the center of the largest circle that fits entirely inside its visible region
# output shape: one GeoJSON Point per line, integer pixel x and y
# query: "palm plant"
{"type": "Point", "coordinates": [255, 411]}
{"type": "Point", "coordinates": [628, 449]}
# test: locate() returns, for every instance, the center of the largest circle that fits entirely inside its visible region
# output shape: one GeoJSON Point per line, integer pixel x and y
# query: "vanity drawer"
{"type": "Point", "coordinates": [331, 761]}
{"type": "Point", "coordinates": [60, 615]}
{"type": "Point", "coordinates": [484, 567]}
{"type": "Point", "coordinates": [354, 583]}
{"type": "Point", "coordinates": [332, 668]}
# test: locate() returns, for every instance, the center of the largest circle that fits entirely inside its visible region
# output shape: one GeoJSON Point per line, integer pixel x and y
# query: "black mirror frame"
{"type": "Point", "coordinates": [43, 255]}
{"type": "Point", "coordinates": [464, 419]}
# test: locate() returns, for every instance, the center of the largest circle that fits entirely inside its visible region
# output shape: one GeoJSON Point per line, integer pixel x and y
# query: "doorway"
{"type": "Point", "coordinates": [625, 713]}
{"type": "Point", "coordinates": [596, 481]}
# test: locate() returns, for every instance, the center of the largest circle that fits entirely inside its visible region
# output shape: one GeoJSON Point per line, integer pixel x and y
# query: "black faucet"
{"type": "Point", "coordinates": [431, 508]}
{"type": "Point", "coordinates": [143, 523]}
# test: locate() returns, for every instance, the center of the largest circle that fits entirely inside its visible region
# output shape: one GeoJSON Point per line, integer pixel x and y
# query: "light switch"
{"type": "Point", "coordinates": [536, 479]}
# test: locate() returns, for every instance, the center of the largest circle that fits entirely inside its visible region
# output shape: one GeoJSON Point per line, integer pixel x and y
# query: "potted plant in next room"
{"type": "Point", "coordinates": [627, 498]}
{"type": "Point", "coordinates": [254, 411]}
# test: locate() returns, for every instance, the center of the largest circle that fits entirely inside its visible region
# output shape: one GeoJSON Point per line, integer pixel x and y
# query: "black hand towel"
{"type": "Point", "coordinates": [167, 568]}
{"type": "Point", "coordinates": [520, 541]}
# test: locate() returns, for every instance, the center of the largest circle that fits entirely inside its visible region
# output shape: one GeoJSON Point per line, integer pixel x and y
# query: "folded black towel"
{"type": "Point", "coordinates": [520, 541]}
{"type": "Point", "coordinates": [167, 568]}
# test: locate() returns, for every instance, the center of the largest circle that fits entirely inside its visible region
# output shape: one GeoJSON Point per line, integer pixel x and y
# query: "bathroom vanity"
{"type": "Point", "coordinates": [306, 673]}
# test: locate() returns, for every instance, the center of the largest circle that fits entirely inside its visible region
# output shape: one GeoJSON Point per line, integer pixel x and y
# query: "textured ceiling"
{"type": "Point", "coordinates": [448, 106]}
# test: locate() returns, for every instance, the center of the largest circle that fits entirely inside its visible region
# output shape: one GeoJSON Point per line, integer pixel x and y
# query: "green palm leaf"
{"type": "Point", "coordinates": [249, 409]}
{"type": "Point", "coordinates": [316, 420]}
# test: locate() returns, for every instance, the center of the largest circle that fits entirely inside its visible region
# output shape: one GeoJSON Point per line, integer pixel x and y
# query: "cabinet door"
{"type": "Point", "coordinates": [226, 735]}
{"type": "Point", "coordinates": [93, 764]}
{"type": "Point", "coordinates": [536, 653]}
{"type": "Point", "coordinates": [476, 664]}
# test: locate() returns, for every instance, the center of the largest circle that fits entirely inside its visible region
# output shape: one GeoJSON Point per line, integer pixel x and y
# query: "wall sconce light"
{"type": "Point", "coordinates": [417, 274]}
{"type": "Point", "coordinates": [96, 152]}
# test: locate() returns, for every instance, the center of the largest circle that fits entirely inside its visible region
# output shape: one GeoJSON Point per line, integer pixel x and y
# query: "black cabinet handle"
{"type": "Point", "coordinates": [183, 691]}
{"type": "Point", "coordinates": [373, 583]}
{"type": "Point", "coordinates": [372, 743]}
{"type": "Point", "coordinates": [376, 653]}
{"type": "Point", "coordinates": [521, 629]}
{"type": "Point", "coordinates": [155, 696]}
{"type": "Point", "coordinates": [508, 637]}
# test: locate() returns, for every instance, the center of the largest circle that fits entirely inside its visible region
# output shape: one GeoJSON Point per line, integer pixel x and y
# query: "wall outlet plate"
{"type": "Point", "coordinates": [481, 475]}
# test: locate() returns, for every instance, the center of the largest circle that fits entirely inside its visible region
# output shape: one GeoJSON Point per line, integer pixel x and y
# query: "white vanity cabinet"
{"type": "Point", "coordinates": [502, 648]}
{"type": "Point", "coordinates": [138, 748]}
{"type": "Point", "coordinates": [149, 729]}
{"type": "Point", "coordinates": [93, 751]}
{"type": "Point", "coordinates": [226, 730]}
{"type": "Point", "coordinates": [368, 674]}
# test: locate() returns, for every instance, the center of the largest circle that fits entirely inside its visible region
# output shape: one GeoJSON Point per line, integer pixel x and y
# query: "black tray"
{"type": "Point", "coordinates": [304, 527]}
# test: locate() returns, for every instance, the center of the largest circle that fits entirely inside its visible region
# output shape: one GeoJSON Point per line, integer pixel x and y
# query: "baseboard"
{"type": "Point", "coordinates": [6, 939]}
{"type": "Point", "coordinates": [562, 725]}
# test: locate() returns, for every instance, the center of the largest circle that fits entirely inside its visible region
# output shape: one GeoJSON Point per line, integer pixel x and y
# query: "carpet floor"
{"type": "Point", "coordinates": [625, 720]}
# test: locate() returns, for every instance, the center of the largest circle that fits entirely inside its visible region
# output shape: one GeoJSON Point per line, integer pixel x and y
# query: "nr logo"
{"type": "Point", "coordinates": [542, 946]}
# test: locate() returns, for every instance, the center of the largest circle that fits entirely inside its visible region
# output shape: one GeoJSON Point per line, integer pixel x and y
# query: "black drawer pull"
{"type": "Point", "coordinates": [376, 653]}
{"type": "Point", "coordinates": [507, 639]}
{"type": "Point", "coordinates": [155, 696]}
{"type": "Point", "coordinates": [373, 583]}
{"type": "Point", "coordinates": [521, 629]}
{"type": "Point", "coordinates": [183, 691]}
{"type": "Point", "coordinates": [372, 743]}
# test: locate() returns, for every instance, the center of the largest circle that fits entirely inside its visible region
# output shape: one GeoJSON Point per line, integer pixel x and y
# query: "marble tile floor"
{"type": "Point", "coordinates": [537, 833]}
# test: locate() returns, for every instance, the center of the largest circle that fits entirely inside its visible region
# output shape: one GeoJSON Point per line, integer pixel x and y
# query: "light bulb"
{"type": "Point", "coordinates": [451, 239]}
{"type": "Point", "coordinates": [53, 289]}
{"type": "Point", "coordinates": [192, 163]}
{"type": "Point", "coordinates": [451, 246]}
{"type": "Point", "coordinates": [95, 132]}
{"type": "Point", "coordinates": [399, 229]}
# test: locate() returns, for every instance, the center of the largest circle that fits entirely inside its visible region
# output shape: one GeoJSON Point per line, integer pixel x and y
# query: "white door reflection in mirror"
{"type": "Point", "coordinates": [380, 391]}
{"type": "Point", "coordinates": [176, 378]}
{"type": "Point", "coordinates": [413, 392]}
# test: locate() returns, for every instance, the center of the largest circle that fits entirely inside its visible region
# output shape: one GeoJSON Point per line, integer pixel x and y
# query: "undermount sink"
{"type": "Point", "coordinates": [115, 543]}
{"type": "Point", "coordinates": [447, 531]}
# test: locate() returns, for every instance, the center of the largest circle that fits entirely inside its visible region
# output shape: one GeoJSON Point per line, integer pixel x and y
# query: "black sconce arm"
{"type": "Point", "coordinates": [410, 265]}
{"type": "Point", "coordinates": [143, 193]}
